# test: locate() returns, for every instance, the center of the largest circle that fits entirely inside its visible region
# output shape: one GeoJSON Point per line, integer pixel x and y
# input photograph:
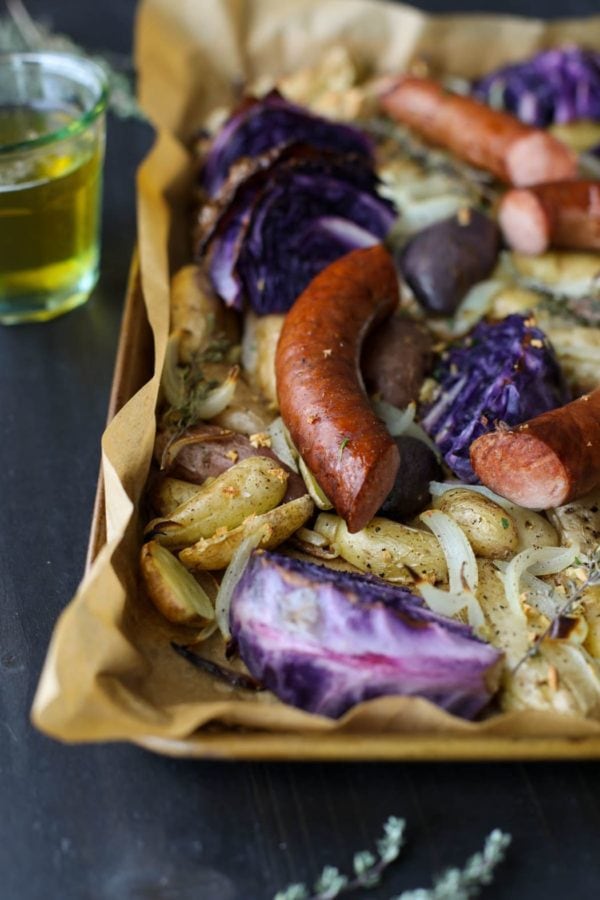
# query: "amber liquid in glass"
{"type": "Point", "coordinates": [49, 215]}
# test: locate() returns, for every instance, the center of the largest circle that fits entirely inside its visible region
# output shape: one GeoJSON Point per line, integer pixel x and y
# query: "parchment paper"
{"type": "Point", "coordinates": [110, 672]}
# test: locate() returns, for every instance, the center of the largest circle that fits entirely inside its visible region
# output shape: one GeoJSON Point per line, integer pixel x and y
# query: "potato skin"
{"type": "Point", "coordinates": [392, 551]}
{"type": "Point", "coordinates": [395, 360]}
{"type": "Point", "coordinates": [410, 494]}
{"type": "Point", "coordinates": [491, 530]}
{"type": "Point", "coordinates": [440, 279]}
{"type": "Point", "coordinates": [254, 485]}
{"type": "Point", "coordinates": [277, 526]}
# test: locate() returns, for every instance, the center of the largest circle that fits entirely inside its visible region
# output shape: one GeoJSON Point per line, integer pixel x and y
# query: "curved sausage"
{"type": "Point", "coordinates": [321, 397]}
{"type": "Point", "coordinates": [515, 153]}
{"type": "Point", "coordinates": [563, 214]}
{"type": "Point", "coordinates": [546, 462]}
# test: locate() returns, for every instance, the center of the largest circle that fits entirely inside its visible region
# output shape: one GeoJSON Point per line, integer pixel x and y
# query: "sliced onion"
{"type": "Point", "coordinates": [206, 632]}
{"type": "Point", "coordinates": [171, 379]}
{"type": "Point", "coordinates": [462, 565]}
{"type": "Point", "coordinates": [540, 594]}
{"type": "Point", "coordinates": [313, 487]}
{"type": "Point", "coordinates": [537, 561]}
{"type": "Point", "coordinates": [395, 420]}
{"type": "Point", "coordinates": [218, 399]}
{"type": "Point", "coordinates": [549, 561]}
{"type": "Point", "coordinates": [413, 429]}
{"type": "Point", "coordinates": [233, 573]}
{"type": "Point", "coordinates": [534, 530]}
{"type": "Point", "coordinates": [447, 603]}
{"type": "Point", "coordinates": [308, 536]}
{"type": "Point", "coordinates": [281, 444]}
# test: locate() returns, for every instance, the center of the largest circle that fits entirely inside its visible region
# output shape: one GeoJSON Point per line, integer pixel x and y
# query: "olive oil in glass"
{"type": "Point", "coordinates": [51, 154]}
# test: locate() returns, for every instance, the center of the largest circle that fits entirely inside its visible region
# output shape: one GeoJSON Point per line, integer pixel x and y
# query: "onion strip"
{"type": "Point", "coordinates": [462, 565]}
{"type": "Point", "coordinates": [281, 444]}
{"type": "Point", "coordinates": [447, 603]}
{"type": "Point", "coordinates": [233, 573]}
{"type": "Point", "coordinates": [535, 561]}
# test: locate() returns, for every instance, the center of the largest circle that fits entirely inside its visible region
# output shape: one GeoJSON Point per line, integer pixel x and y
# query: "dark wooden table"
{"type": "Point", "coordinates": [112, 822]}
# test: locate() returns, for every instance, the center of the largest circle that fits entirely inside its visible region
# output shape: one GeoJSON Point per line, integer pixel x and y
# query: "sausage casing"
{"type": "Point", "coordinates": [497, 141]}
{"type": "Point", "coordinates": [562, 214]}
{"type": "Point", "coordinates": [321, 395]}
{"type": "Point", "coordinates": [546, 462]}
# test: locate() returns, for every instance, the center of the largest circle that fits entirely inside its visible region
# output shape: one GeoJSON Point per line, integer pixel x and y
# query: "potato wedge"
{"type": "Point", "coordinates": [385, 548]}
{"type": "Point", "coordinates": [198, 313]}
{"type": "Point", "coordinates": [173, 590]}
{"type": "Point", "coordinates": [169, 493]}
{"type": "Point", "coordinates": [252, 486]}
{"type": "Point", "coordinates": [278, 525]}
{"type": "Point", "coordinates": [258, 352]}
{"type": "Point", "coordinates": [490, 530]}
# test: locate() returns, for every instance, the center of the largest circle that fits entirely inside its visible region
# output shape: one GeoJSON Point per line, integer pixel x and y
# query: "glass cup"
{"type": "Point", "coordinates": [52, 126]}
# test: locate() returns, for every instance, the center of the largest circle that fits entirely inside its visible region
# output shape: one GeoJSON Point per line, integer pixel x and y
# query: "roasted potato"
{"type": "Point", "coordinates": [392, 551]}
{"type": "Point", "coordinates": [173, 590]}
{"type": "Point", "coordinates": [277, 526]}
{"type": "Point", "coordinates": [491, 531]}
{"type": "Point", "coordinates": [254, 485]}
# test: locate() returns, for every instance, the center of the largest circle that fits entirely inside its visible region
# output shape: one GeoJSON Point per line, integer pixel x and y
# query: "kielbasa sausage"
{"type": "Point", "coordinates": [321, 396]}
{"type": "Point", "coordinates": [546, 462]}
{"type": "Point", "coordinates": [562, 214]}
{"type": "Point", "coordinates": [515, 153]}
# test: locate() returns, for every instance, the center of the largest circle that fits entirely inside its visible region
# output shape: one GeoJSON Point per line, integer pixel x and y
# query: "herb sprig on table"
{"type": "Point", "coordinates": [453, 884]}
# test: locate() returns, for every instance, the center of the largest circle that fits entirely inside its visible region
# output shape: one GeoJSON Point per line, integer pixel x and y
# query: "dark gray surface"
{"type": "Point", "coordinates": [112, 821]}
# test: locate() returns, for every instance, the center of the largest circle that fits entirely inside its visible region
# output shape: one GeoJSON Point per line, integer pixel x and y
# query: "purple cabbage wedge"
{"type": "Point", "coordinates": [258, 125]}
{"type": "Point", "coordinates": [503, 372]}
{"type": "Point", "coordinates": [281, 219]}
{"type": "Point", "coordinates": [555, 86]}
{"type": "Point", "coordinates": [325, 640]}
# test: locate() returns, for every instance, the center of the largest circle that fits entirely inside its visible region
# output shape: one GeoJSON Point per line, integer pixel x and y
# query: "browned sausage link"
{"type": "Point", "coordinates": [515, 153]}
{"type": "Point", "coordinates": [563, 214]}
{"type": "Point", "coordinates": [321, 397]}
{"type": "Point", "coordinates": [548, 461]}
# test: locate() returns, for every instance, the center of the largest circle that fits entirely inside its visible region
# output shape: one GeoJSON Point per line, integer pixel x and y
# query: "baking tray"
{"type": "Point", "coordinates": [133, 367]}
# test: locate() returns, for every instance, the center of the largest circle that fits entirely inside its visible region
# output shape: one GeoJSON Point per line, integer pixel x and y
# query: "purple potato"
{"type": "Point", "coordinates": [410, 494]}
{"type": "Point", "coordinates": [395, 360]}
{"type": "Point", "coordinates": [443, 261]}
{"type": "Point", "coordinates": [324, 640]}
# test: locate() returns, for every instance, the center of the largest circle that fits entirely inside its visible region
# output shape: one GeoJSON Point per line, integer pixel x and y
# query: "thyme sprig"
{"type": "Point", "coordinates": [195, 385]}
{"type": "Point", "coordinates": [453, 884]}
{"type": "Point", "coordinates": [462, 884]}
{"type": "Point", "coordinates": [368, 868]}
{"type": "Point", "coordinates": [574, 592]}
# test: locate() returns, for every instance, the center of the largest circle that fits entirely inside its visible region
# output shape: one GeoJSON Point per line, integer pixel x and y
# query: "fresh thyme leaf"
{"type": "Point", "coordinates": [196, 386]}
{"type": "Point", "coordinates": [505, 522]}
{"type": "Point", "coordinates": [462, 884]}
{"type": "Point", "coordinates": [454, 884]}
